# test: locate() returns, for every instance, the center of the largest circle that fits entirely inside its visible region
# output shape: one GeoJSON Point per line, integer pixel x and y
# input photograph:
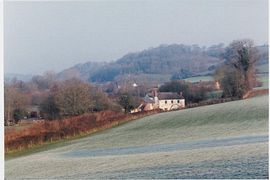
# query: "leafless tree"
{"type": "Point", "coordinates": [73, 97]}
{"type": "Point", "coordinates": [237, 75]}
{"type": "Point", "coordinates": [14, 103]}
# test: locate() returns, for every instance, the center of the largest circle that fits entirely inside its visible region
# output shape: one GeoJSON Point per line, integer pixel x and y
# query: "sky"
{"type": "Point", "coordinates": [41, 36]}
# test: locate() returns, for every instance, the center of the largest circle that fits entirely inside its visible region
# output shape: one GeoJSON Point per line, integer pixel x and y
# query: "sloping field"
{"type": "Point", "coordinates": [263, 68]}
{"type": "Point", "coordinates": [228, 140]}
{"type": "Point", "coordinates": [263, 75]}
{"type": "Point", "coordinates": [199, 78]}
{"type": "Point", "coordinates": [264, 78]}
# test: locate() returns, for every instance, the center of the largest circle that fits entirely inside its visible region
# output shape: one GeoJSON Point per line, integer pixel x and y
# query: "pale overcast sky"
{"type": "Point", "coordinates": [42, 36]}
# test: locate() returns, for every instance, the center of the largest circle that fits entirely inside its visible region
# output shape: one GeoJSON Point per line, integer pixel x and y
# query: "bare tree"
{"type": "Point", "coordinates": [73, 97]}
{"type": "Point", "coordinates": [45, 81]}
{"type": "Point", "coordinates": [237, 75]}
{"type": "Point", "coordinates": [14, 102]}
{"type": "Point", "coordinates": [49, 108]}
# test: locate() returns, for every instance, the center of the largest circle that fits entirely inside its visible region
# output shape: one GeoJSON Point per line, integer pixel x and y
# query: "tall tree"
{"type": "Point", "coordinates": [49, 108]}
{"type": "Point", "coordinates": [237, 75]}
{"type": "Point", "coordinates": [14, 102]}
{"type": "Point", "coordinates": [129, 102]}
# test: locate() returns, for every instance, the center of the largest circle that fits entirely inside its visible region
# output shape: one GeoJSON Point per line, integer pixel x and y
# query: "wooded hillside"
{"type": "Point", "coordinates": [177, 60]}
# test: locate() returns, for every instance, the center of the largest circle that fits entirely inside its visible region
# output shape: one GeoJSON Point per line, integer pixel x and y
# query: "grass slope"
{"type": "Point", "coordinates": [263, 75]}
{"type": "Point", "coordinates": [199, 78]}
{"type": "Point", "coordinates": [264, 78]}
{"type": "Point", "coordinates": [263, 68]}
{"type": "Point", "coordinates": [239, 118]}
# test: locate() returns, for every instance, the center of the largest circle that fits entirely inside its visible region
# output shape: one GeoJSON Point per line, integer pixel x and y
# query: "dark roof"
{"type": "Point", "coordinates": [148, 99]}
{"type": "Point", "coordinates": [169, 95]}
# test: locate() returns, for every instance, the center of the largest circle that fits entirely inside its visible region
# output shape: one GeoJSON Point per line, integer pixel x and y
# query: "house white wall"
{"type": "Point", "coordinates": [170, 104]}
{"type": "Point", "coordinates": [149, 107]}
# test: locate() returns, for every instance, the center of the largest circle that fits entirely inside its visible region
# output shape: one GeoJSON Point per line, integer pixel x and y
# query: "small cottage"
{"type": "Point", "coordinates": [163, 100]}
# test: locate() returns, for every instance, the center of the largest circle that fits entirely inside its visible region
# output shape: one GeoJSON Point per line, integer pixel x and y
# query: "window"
{"type": "Point", "coordinates": [178, 101]}
{"type": "Point", "coordinates": [165, 102]}
{"type": "Point", "coordinates": [171, 101]}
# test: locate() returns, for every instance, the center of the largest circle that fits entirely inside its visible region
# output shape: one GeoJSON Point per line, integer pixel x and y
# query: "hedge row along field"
{"type": "Point", "coordinates": [49, 131]}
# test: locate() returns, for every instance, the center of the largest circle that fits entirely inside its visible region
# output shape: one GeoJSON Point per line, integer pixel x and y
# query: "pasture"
{"type": "Point", "coordinates": [199, 78]}
{"type": "Point", "coordinates": [263, 68]}
{"type": "Point", "coordinates": [264, 79]}
{"type": "Point", "coordinates": [263, 75]}
{"type": "Point", "coordinates": [228, 140]}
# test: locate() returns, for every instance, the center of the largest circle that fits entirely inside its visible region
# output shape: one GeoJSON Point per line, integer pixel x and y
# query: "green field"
{"type": "Point", "coordinates": [199, 78]}
{"type": "Point", "coordinates": [149, 79]}
{"type": "Point", "coordinates": [264, 78]}
{"type": "Point", "coordinates": [263, 75]}
{"type": "Point", "coordinates": [263, 68]}
{"type": "Point", "coordinates": [179, 144]}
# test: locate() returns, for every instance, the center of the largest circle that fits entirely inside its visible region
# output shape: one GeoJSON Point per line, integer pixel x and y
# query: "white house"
{"type": "Point", "coordinates": [163, 100]}
{"type": "Point", "coordinates": [170, 101]}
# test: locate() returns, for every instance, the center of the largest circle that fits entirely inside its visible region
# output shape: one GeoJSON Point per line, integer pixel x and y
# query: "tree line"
{"type": "Point", "coordinates": [55, 99]}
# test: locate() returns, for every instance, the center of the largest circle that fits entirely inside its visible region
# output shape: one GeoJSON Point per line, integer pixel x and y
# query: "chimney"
{"type": "Point", "coordinates": [156, 97]}
{"type": "Point", "coordinates": [155, 93]}
{"type": "Point", "coordinates": [181, 94]}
